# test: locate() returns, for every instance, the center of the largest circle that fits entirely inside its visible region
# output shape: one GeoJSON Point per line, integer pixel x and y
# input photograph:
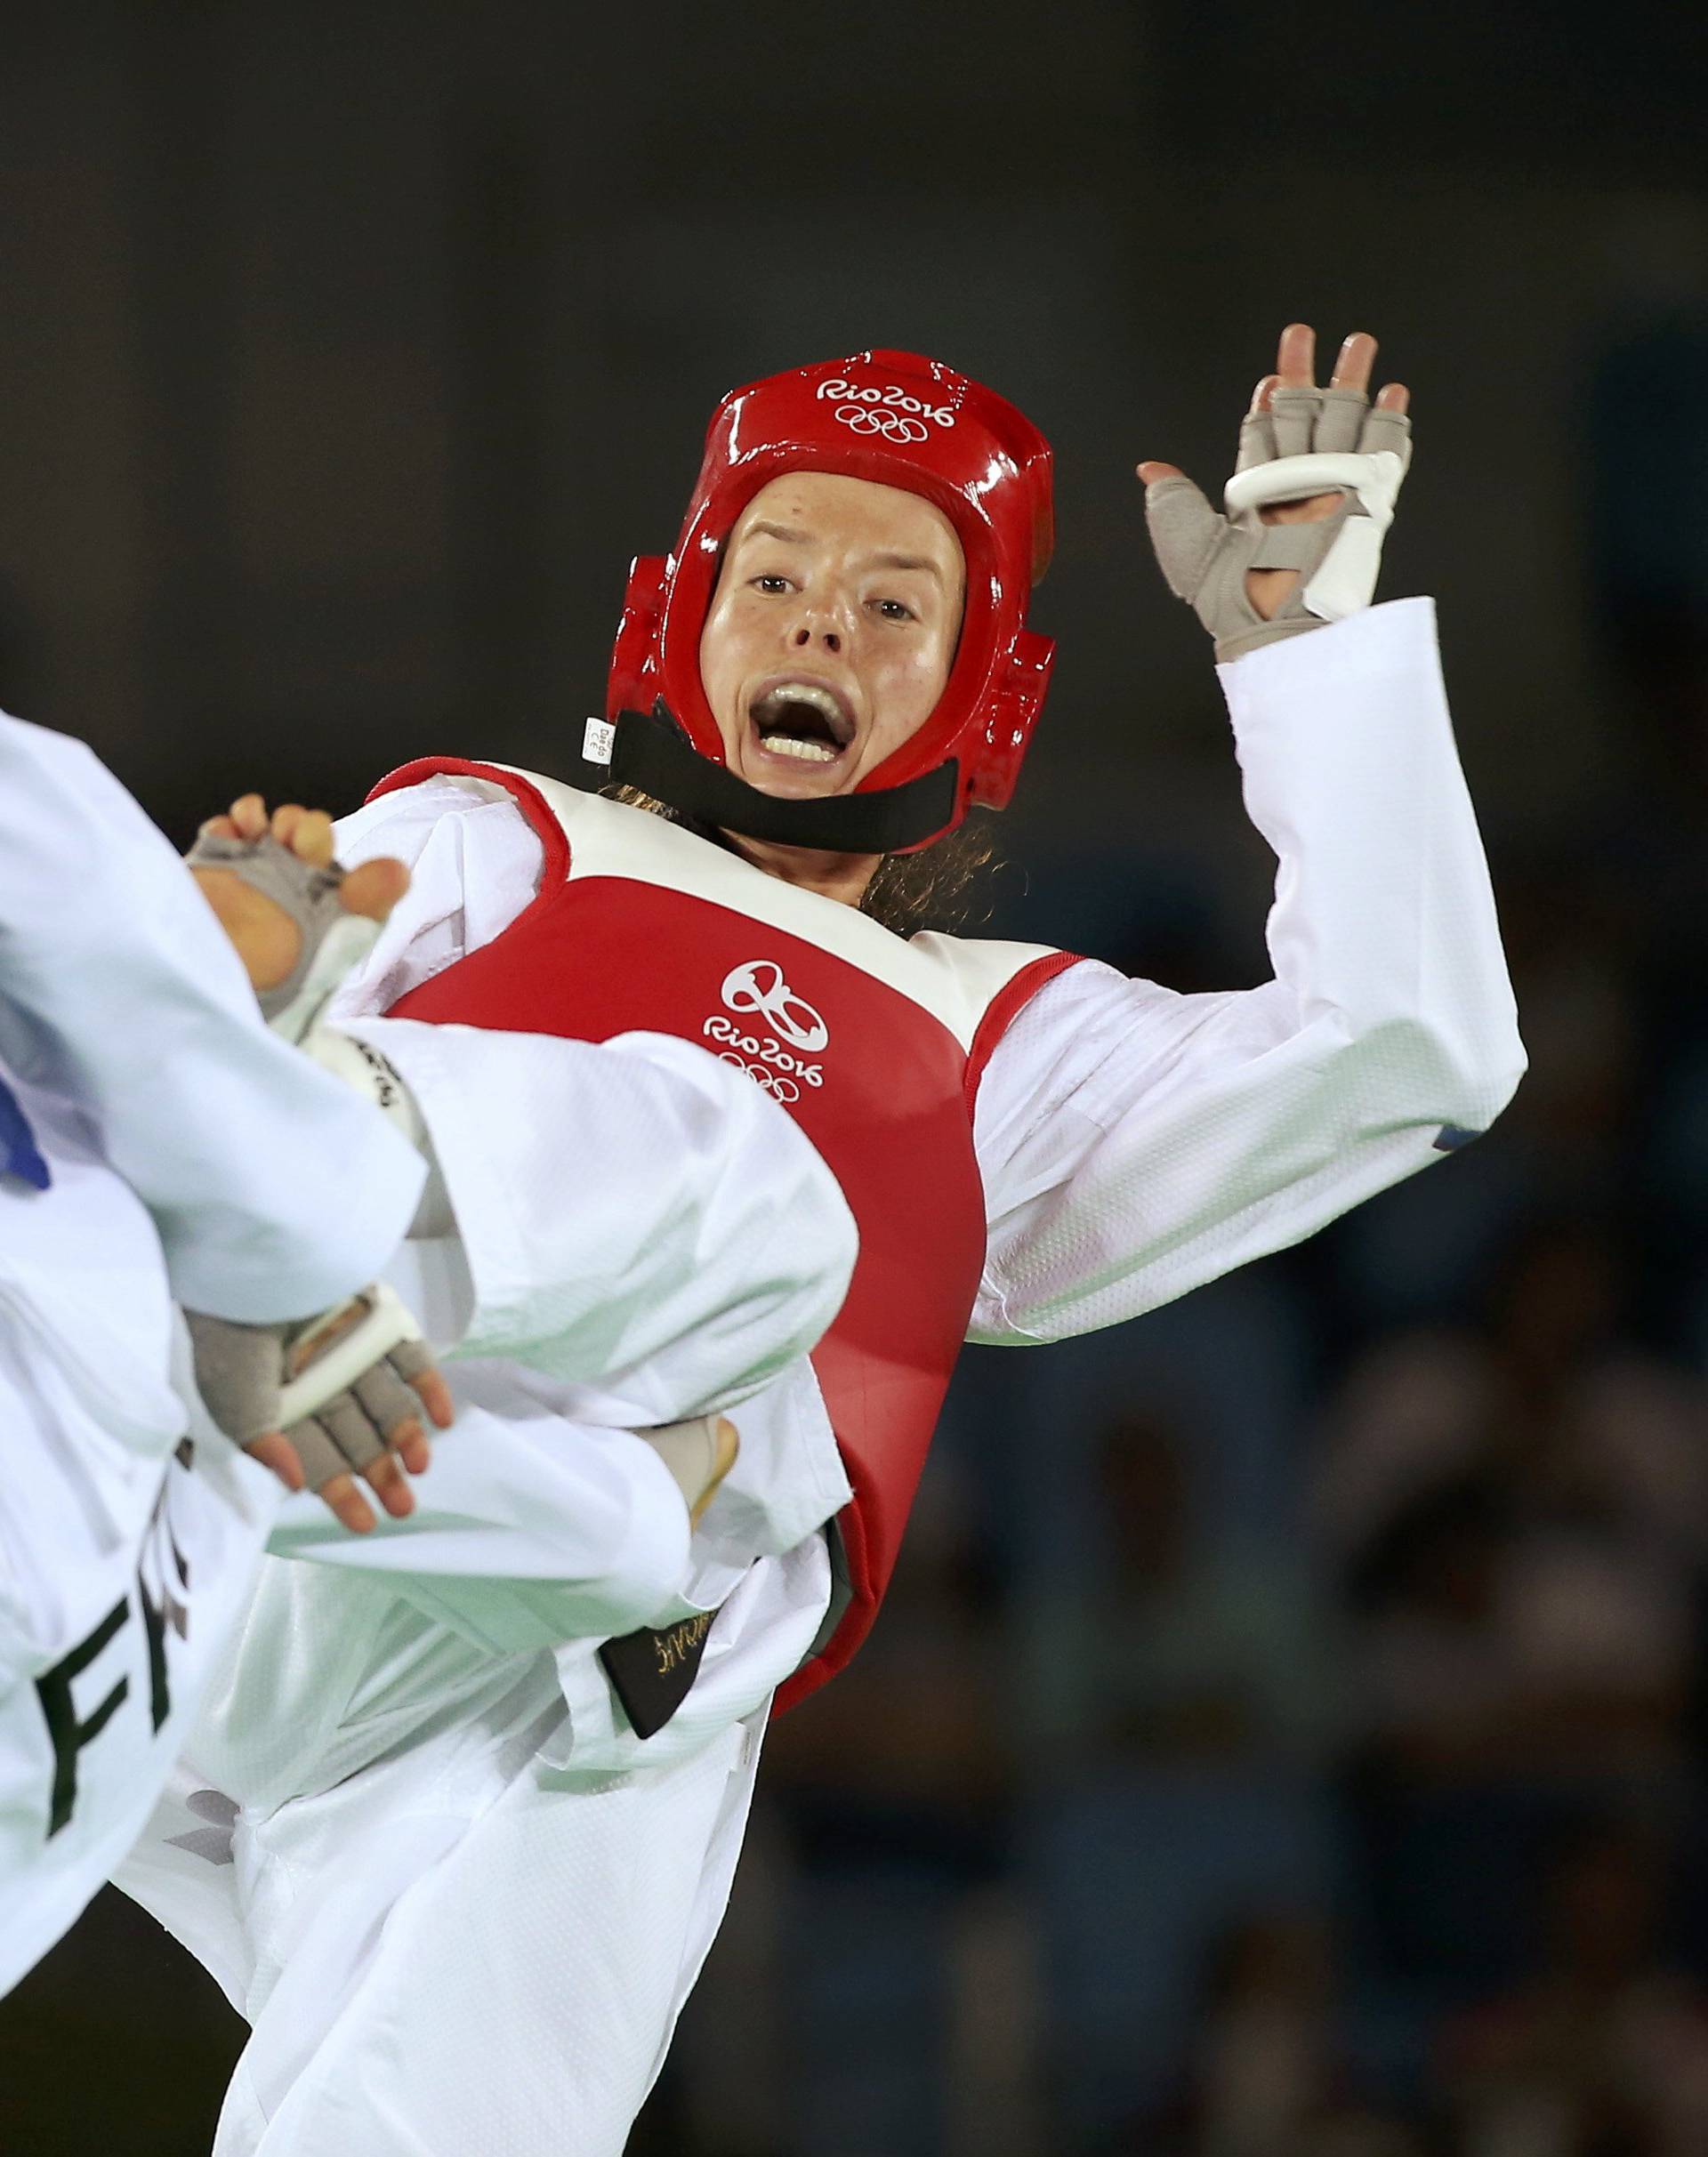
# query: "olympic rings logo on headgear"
{"type": "Point", "coordinates": [759, 987]}
{"type": "Point", "coordinates": [893, 426]}
{"type": "Point", "coordinates": [891, 399]}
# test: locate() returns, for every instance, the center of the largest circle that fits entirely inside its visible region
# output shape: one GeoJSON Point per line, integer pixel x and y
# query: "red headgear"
{"type": "Point", "coordinates": [907, 421]}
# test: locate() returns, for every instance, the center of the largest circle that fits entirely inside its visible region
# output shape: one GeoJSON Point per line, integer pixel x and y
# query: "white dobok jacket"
{"type": "Point", "coordinates": [1132, 1143]}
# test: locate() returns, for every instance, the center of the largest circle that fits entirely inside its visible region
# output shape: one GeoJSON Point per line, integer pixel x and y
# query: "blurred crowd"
{"type": "Point", "coordinates": [1289, 1734]}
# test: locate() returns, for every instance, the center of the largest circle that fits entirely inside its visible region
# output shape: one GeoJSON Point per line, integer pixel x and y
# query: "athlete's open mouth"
{"type": "Point", "coordinates": [809, 722]}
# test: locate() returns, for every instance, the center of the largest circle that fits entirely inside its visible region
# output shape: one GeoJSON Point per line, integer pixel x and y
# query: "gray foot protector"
{"type": "Point", "coordinates": [1311, 442]}
{"type": "Point", "coordinates": [333, 942]}
{"type": "Point", "coordinates": [337, 1384]}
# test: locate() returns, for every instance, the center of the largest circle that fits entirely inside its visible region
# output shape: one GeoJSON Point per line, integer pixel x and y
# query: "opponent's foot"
{"type": "Point", "coordinates": [699, 1454]}
{"type": "Point", "coordinates": [728, 1446]}
{"type": "Point", "coordinates": [265, 936]}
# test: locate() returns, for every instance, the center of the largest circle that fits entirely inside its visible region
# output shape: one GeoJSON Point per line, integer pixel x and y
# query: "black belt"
{"type": "Point", "coordinates": [651, 1672]}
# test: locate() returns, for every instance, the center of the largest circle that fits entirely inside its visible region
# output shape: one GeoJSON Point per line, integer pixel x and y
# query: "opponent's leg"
{"type": "Point", "coordinates": [522, 1991]}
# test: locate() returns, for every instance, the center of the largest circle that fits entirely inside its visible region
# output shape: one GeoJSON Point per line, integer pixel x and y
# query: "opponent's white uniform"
{"type": "Point", "coordinates": [466, 1903]}
{"type": "Point", "coordinates": [189, 1154]}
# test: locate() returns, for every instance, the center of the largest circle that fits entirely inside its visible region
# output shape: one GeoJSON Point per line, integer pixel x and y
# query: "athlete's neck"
{"type": "Point", "coordinates": [839, 876]}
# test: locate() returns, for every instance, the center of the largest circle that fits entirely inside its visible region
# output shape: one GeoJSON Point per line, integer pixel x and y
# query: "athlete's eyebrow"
{"type": "Point", "coordinates": [887, 560]}
{"type": "Point", "coordinates": [907, 561]}
{"type": "Point", "coordinates": [785, 533]}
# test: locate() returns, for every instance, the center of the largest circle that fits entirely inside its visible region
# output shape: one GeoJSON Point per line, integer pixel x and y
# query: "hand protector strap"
{"type": "Point", "coordinates": [1339, 558]}
{"type": "Point", "coordinates": [329, 1354]}
{"type": "Point", "coordinates": [333, 943]}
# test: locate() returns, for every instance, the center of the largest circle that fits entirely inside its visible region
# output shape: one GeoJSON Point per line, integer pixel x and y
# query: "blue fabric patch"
{"type": "Point", "coordinates": [20, 1156]}
{"type": "Point", "coordinates": [1451, 1137]}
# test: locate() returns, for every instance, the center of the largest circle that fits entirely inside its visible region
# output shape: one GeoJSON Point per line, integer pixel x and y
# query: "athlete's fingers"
{"type": "Point", "coordinates": [1257, 429]}
{"type": "Point", "coordinates": [1295, 357]}
{"type": "Point", "coordinates": [435, 1397]}
{"type": "Point", "coordinates": [390, 1485]}
{"type": "Point", "coordinates": [383, 1397]}
{"type": "Point", "coordinates": [389, 1408]}
{"type": "Point", "coordinates": [409, 1442]}
{"type": "Point", "coordinates": [1151, 472]}
{"type": "Point", "coordinates": [1386, 429]}
{"type": "Point", "coordinates": [1358, 356]}
{"type": "Point", "coordinates": [373, 888]}
{"type": "Point", "coordinates": [1395, 398]}
{"type": "Point", "coordinates": [310, 838]}
{"type": "Point", "coordinates": [340, 1494]}
{"type": "Point", "coordinates": [249, 814]}
{"type": "Point", "coordinates": [414, 1360]}
{"type": "Point", "coordinates": [286, 816]}
{"type": "Point", "coordinates": [275, 1451]}
{"type": "Point", "coordinates": [406, 1437]}
{"type": "Point", "coordinates": [217, 827]}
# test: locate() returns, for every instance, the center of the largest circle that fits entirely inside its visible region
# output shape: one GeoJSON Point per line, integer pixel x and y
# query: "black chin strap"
{"type": "Point", "coordinates": [651, 752]}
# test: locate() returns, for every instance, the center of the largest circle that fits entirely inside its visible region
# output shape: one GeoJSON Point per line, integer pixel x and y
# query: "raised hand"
{"type": "Point", "coordinates": [1307, 456]}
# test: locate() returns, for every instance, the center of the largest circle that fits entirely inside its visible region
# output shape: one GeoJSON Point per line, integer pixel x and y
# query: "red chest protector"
{"type": "Point", "coordinates": [873, 1043]}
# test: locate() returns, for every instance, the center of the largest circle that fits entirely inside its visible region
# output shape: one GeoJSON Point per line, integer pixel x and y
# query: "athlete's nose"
{"type": "Point", "coordinates": [806, 634]}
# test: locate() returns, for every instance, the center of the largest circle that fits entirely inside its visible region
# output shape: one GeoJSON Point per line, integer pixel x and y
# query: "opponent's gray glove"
{"type": "Point", "coordinates": [1308, 442]}
{"type": "Point", "coordinates": [333, 942]}
{"type": "Point", "coordinates": [335, 1384]}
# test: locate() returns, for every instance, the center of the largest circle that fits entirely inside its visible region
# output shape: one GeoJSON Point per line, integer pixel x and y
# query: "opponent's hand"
{"type": "Point", "coordinates": [1321, 459]}
{"type": "Point", "coordinates": [322, 1400]}
{"type": "Point", "coordinates": [297, 920]}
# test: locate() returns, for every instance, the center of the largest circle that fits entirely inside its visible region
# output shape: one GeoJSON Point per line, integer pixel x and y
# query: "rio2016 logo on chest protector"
{"type": "Point", "coordinates": [758, 990]}
{"type": "Point", "coordinates": [890, 411]}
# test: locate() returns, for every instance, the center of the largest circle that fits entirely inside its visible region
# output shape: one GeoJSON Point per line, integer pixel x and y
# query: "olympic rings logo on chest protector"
{"type": "Point", "coordinates": [759, 987]}
{"type": "Point", "coordinates": [779, 1088]}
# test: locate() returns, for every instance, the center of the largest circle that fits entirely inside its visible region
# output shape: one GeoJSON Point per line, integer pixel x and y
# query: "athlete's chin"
{"type": "Point", "coordinates": [789, 786]}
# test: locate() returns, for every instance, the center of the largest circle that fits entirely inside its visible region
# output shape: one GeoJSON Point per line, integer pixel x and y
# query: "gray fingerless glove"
{"type": "Point", "coordinates": [333, 942]}
{"type": "Point", "coordinates": [337, 1384]}
{"type": "Point", "coordinates": [1310, 442]}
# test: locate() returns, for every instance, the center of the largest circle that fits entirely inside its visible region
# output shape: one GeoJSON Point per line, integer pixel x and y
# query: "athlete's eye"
{"type": "Point", "coordinates": [893, 610]}
{"type": "Point", "coordinates": [770, 583]}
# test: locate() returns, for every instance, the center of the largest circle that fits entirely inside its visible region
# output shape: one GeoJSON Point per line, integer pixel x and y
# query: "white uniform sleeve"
{"type": "Point", "coordinates": [274, 1190]}
{"type": "Point", "coordinates": [632, 1215]}
{"type": "Point", "coordinates": [533, 1527]}
{"type": "Point", "coordinates": [529, 1530]}
{"type": "Point", "coordinates": [1136, 1143]}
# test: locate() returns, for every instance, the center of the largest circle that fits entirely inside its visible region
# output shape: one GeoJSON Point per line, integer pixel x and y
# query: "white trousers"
{"type": "Point", "coordinates": [516, 1996]}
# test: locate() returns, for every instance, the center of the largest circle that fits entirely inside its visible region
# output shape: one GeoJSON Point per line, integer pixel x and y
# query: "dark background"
{"type": "Point", "coordinates": [1287, 1737]}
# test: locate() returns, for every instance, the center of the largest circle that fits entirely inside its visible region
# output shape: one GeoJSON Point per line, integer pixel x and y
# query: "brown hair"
{"type": "Point", "coordinates": [944, 886]}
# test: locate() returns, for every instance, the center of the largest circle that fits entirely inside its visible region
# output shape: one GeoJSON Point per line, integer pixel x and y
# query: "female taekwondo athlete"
{"type": "Point", "coordinates": [831, 669]}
